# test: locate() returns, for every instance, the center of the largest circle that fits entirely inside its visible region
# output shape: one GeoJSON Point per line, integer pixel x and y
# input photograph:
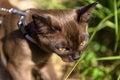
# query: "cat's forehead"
{"type": "Point", "coordinates": [59, 12]}
{"type": "Point", "coordinates": [67, 20]}
{"type": "Point", "coordinates": [71, 28]}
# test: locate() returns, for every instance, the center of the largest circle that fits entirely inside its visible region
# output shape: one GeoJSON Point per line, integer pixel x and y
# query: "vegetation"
{"type": "Point", "coordinates": [100, 60]}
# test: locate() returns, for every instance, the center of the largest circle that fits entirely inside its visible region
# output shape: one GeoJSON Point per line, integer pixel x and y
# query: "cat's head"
{"type": "Point", "coordinates": [63, 31]}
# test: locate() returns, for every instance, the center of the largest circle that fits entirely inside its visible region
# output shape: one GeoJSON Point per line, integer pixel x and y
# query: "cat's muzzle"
{"type": "Point", "coordinates": [71, 57]}
{"type": "Point", "coordinates": [67, 56]}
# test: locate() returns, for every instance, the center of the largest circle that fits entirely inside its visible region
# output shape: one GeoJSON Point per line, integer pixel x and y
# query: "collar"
{"type": "Point", "coordinates": [21, 23]}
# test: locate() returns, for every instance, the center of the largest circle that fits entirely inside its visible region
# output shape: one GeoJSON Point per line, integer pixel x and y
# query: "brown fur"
{"type": "Point", "coordinates": [4, 74]}
{"type": "Point", "coordinates": [4, 4]}
{"type": "Point", "coordinates": [52, 30]}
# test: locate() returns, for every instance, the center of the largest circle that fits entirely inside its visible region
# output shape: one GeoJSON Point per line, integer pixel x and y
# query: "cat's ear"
{"type": "Point", "coordinates": [83, 13]}
{"type": "Point", "coordinates": [40, 20]}
{"type": "Point", "coordinates": [43, 23]}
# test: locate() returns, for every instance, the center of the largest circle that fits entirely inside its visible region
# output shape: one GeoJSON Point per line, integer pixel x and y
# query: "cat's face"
{"type": "Point", "coordinates": [64, 31]}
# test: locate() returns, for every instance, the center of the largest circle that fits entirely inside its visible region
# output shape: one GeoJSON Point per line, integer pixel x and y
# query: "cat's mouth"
{"type": "Point", "coordinates": [67, 56]}
{"type": "Point", "coordinates": [70, 58]}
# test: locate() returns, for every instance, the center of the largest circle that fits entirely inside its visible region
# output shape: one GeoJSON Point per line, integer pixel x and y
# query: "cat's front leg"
{"type": "Point", "coordinates": [18, 57]}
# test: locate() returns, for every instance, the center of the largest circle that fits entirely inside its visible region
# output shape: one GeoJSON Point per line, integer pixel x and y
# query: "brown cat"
{"type": "Point", "coordinates": [63, 32]}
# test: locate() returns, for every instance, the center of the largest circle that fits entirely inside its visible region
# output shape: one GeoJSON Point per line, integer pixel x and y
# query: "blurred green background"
{"type": "Point", "coordinates": [101, 58]}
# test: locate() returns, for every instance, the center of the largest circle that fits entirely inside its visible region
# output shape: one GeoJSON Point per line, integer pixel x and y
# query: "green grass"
{"type": "Point", "coordinates": [116, 26]}
{"type": "Point", "coordinates": [109, 58]}
{"type": "Point", "coordinates": [118, 77]}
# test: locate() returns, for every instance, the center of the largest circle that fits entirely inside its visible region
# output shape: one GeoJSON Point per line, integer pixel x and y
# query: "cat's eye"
{"type": "Point", "coordinates": [83, 43]}
{"type": "Point", "coordinates": [62, 49]}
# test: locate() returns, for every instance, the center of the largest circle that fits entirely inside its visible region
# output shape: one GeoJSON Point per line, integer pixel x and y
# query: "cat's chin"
{"type": "Point", "coordinates": [68, 59]}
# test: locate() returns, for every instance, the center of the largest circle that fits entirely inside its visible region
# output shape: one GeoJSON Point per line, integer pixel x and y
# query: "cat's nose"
{"type": "Point", "coordinates": [76, 56]}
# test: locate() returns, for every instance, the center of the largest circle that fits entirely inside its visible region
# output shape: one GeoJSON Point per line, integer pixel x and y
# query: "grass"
{"type": "Point", "coordinates": [118, 77]}
{"type": "Point", "coordinates": [116, 26]}
{"type": "Point", "coordinates": [109, 58]}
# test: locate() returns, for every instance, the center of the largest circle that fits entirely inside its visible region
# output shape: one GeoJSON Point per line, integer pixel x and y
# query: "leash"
{"type": "Point", "coordinates": [21, 23]}
{"type": "Point", "coordinates": [12, 10]}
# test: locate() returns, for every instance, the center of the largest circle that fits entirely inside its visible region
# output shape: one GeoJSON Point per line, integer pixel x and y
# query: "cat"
{"type": "Point", "coordinates": [63, 32]}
